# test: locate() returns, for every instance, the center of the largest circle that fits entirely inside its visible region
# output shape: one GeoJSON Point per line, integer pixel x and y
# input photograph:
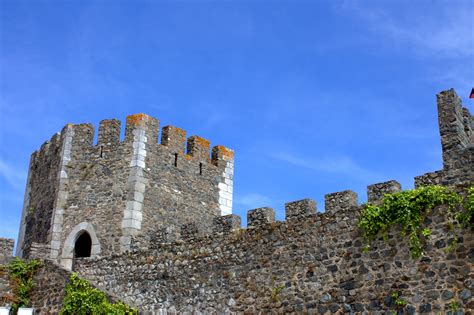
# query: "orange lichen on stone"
{"type": "Point", "coordinates": [137, 119]}
{"type": "Point", "coordinates": [188, 157]}
{"type": "Point", "coordinates": [179, 131]}
{"type": "Point", "coordinates": [202, 142]}
{"type": "Point", "coordinates": [226, 152]}
{"type": "Point", "coordinates": [150, 260]}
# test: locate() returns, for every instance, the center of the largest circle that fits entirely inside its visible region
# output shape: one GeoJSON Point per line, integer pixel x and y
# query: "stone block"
{"type": "Point", "coordinates": [260, 216]}
{"type": "Point", "coordinates": [174, 138]}
{"type": "Point", "coordinates": [6, 247]}
{"type": "Point", "coordinates": [338, 201]}
{"type": "Point", "coordinates": [300, 208]}
{"type": "Point", "coordinates": [198, 148]}
{"type": "Point", "coordinates": [109, 132]}
{"type": "Point", "coordinates": [189, 231]}
{"type": "Point", "coordinates": [375, 192]}
{"type": "Point", "coordinates": [226, 223]}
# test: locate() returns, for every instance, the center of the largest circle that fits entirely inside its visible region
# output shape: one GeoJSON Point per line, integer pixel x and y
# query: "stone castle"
{"type": "Point", "coordinates": [151, 224]}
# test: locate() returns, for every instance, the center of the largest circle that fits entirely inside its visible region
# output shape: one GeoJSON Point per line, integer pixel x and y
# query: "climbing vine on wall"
{"type": "Point", "coordinates": [21, 274]}
{"type": "Point", "coordinates": [82, 298]}
{"type": "Point", "coordinates": [466, 217]}
{"type": "Point", "coordinates": [408, 209]}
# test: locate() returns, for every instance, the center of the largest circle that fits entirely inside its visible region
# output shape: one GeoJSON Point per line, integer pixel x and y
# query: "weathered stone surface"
{"type": "Point", "coordinates": [6, 249]}
{"type": "Point", "coordinates": [300, 208]}
{"type": "Point", "coordinates": [376, 192]}
{"type": "Point", "coordinates": [260, 217]}
{"type": "Point", "coordinates": [343, 200]}
{"type": "Point", "coordinates": [226, 223]}
{"type": "Point", "coordinates": [189, 231]}
{"type": "Point", "coordinates": [456, 128]}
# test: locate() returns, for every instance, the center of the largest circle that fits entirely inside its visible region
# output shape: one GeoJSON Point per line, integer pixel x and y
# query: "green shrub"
{"type": "Point", "coordinates": [407, 208]}
{"type": "Point", "coordinates": [21, 274]}
{"type": "Point", "coordinates": [81, 299]}
{"type": "Point", "coordinates": [466, 218]}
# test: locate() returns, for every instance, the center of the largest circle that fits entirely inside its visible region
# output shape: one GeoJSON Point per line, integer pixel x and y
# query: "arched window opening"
{"type": "Point", "coordinates": [83, 245]}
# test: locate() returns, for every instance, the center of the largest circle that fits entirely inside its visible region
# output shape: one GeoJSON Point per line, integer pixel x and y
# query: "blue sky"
{"type": "Point", "coordinates": [313, 96]}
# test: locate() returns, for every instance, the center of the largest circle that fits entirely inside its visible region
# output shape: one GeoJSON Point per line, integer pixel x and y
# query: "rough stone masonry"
{"type": "Point", "coordinates": [152, 226]}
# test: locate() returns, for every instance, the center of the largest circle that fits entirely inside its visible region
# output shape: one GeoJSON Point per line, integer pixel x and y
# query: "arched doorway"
{"type": "Point", "coordinates": [83, 246]}
{"type": "Point", "coordinates": [82, 241]}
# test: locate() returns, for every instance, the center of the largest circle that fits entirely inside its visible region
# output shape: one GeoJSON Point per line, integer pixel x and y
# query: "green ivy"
{"type": "Point", "coordinates": [466, 218]}
{"type": "Point", "coordinates": [409, 208]}
{"type": "Point", "coordinates": [453, 306]}
{"type": "Point", "coordinates": [21, 276]}
{"type": "Point", "coordinates": [399, 302]}
{"type": "Point", "coordinates": [81, 298]}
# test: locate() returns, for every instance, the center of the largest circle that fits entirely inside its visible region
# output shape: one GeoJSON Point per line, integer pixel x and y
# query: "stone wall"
{"type": "Point", "coordinates": [309, 263]}
{"type": "Point", "coordinates": [6, 291]}
{"type": "Point", "coordinates": [50, 283]}
{"type": "Point", "coordinates": [49, 291]}
{"type": "Point", "coordinates": [47, 295]}
{"type": "Point", "coordinates": [6, 255]}
{"type": "Point", "coordinates": [42, 189]}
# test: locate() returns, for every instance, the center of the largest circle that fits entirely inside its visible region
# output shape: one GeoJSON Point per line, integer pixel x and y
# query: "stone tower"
{"type": "Point", "coordinates": [92, 200]}
{"type": "Point", "coordinates": [456, 128]}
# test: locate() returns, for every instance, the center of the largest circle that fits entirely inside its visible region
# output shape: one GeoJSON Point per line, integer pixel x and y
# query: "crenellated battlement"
{"type": "Point", "coordinates": [338, 201]}
{"type": "Point", "coordinates": [339, 206]}
{"type": "Point", "coordinates": [109, 132]}
{"type": "Point", "coordinates": [191, 149]}
{"type": "Point", "coordinates": [174, 138]}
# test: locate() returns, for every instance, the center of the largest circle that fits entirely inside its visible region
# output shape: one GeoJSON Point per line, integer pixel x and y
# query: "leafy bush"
{"type": "Point", "coordinates": [21, 276]}
{"type": "Point", "coordinates": [407, 208]}
{"type": "Point", "coordinates": [81, 298]}
{"type": "Point", "coordinates": [466, 217]}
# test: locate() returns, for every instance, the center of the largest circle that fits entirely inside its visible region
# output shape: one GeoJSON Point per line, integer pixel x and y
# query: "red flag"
{"type": "Point", "coordinates": [472, 93]}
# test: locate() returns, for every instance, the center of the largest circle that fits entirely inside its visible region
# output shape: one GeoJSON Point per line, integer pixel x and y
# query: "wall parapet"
{"type": "Point", "coordinates": [260, 217]}
{"type": "Point", "coordinates": [376, 192]}
{"type": "Point", "coordinates": [338, 201]}
{"type": "Point", "coordinates": [172, 138]}
{"type": "Point", "coordinates": [6, 249]}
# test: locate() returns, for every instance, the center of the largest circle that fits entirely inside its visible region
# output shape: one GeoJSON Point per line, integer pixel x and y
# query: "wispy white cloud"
{"type": "Point", "coordinates": [252, 200]}
{"type": "Point", "coordinates": [14, 176]}
{"type": "Point", "coordinates": [335, 165]}
{"type": "Point", "coordinates": [441, 32]}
